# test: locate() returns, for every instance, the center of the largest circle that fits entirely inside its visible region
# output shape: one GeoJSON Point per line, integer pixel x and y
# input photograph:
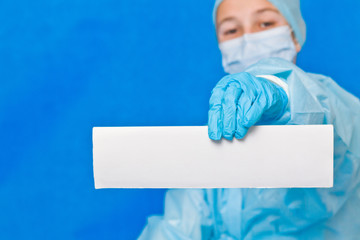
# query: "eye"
{"type": "Point", "coordinates": [230, 31]}
{"type": "Point", "coordinates": [267, 24]}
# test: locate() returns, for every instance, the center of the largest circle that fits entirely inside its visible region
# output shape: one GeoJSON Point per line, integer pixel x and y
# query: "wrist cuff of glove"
{"type": "Point", "coordinates": [277, 81]}
{"type": "Point", "coordinates": [285, 115]}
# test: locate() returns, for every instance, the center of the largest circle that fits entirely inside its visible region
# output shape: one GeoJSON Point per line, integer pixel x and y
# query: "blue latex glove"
{"type": "Point", "coordinates": [241, 100]}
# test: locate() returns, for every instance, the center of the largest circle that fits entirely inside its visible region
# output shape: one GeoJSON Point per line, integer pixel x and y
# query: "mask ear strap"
{"type": "Point", "coordinates": [297, 44]}
{"type": "Point", "coordinates": [293, 33]}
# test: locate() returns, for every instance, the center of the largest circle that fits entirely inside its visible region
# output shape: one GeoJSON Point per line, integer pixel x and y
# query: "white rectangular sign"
{"type": "Point", "coordinates": [184, 157]}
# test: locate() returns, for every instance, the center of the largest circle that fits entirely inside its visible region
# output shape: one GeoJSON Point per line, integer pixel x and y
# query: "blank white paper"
{"type": "Point", "coordinates": [184, 157]}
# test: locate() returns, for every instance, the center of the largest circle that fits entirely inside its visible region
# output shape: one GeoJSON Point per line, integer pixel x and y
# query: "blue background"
{"type": "Point", "coordinates": [66, 66]}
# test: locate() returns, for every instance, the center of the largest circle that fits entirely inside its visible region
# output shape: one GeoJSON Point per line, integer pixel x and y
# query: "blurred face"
{"type": "Point", "coordinates": [238, 17]}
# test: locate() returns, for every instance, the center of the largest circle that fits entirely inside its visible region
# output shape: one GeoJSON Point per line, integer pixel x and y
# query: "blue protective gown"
{"type": "Point", "coordinates": [299, 213]}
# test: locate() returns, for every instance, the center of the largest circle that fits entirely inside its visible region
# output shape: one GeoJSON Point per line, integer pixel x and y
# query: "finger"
{"type": "Point", "coordinates": [245, 102]}
{"type": "Point", "coordinates": [241, 130]}
{"type": "Point", "coordinates": [256, 111]}
{"type": "Point", "coordinates": [215, 122]}
{"type": "Point", "coordinates": [229, 104]}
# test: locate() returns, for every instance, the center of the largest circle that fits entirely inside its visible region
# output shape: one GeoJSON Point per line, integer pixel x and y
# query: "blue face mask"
{"type": "Point", "coordinates": [240, 53]}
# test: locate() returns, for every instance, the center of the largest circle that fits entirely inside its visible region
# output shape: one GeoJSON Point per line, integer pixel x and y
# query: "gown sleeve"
{"type": "Point", "coordinates": [317, 99]}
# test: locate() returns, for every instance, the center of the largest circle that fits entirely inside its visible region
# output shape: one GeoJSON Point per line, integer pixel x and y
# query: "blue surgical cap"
{"type": "Point", "coordinates": [290, 9]}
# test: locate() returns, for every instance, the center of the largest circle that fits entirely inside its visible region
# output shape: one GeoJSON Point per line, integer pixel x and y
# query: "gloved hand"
{"type": "Point", "coordinates": [241, 100]}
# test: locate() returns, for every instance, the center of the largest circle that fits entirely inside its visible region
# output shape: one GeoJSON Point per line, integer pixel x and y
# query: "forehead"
{"type": "Point", "coordinates": [242, 8]}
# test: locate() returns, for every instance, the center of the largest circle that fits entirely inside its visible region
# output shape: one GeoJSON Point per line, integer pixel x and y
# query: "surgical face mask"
{"type": "Point", "coordinates": [240, 53]}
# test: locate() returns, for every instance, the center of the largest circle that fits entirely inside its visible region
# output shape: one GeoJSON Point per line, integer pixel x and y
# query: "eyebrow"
{"type": "Point", "coordinates": [266, 9]}
{"type": "Point", "coordinates": [226, 20]}
{"type": "Point", "coordinates": [257, 12]}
